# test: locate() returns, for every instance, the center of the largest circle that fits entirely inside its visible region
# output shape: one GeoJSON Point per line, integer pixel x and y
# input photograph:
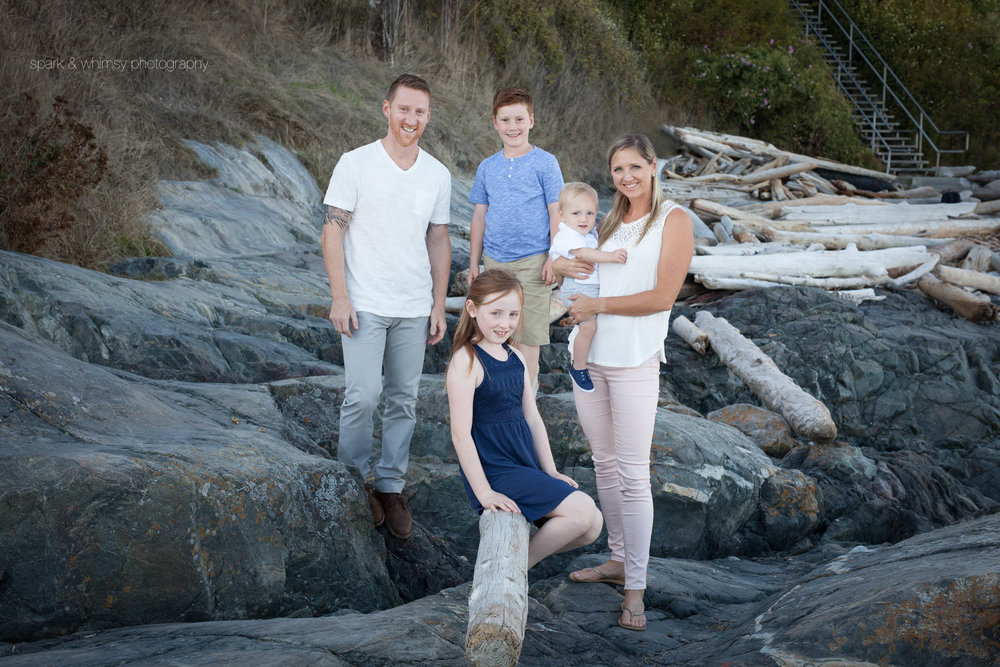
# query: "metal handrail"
{"type": "Point", "coordinates": [844, 70]}
{"type": "Point", "coordinates": [883, 78]}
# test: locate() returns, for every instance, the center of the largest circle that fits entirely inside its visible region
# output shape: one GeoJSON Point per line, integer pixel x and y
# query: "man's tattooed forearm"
{"type": "Point", "coordinates": [338, 216]}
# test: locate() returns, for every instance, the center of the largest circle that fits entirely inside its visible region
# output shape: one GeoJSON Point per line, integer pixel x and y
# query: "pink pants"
{"type": "Point", "coordinates": [617, 418]}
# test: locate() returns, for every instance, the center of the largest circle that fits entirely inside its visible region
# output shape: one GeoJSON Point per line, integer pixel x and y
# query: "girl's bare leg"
{"type": "Point", "coordinates": [575, 522]}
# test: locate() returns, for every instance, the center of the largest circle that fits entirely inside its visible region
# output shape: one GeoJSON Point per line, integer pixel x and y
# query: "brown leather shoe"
{"type": "Point", "coordinates": [397, 514]}
{"type": "Point", "coordinates": [378, 514]}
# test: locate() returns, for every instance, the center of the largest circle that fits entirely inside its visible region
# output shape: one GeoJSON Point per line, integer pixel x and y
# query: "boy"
{"type": "Point", "coordinates": [575, 239]}
{"type": "Point", "coordinates": [515, 194]}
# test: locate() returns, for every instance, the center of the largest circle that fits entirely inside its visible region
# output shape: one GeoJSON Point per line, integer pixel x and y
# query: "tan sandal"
{"type": "Point", "coordinates": [601, 578]}
{"type": "Point", "coordinates": [632, 615]}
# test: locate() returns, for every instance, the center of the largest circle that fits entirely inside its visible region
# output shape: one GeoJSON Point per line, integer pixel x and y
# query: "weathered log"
{"type": "Point", "coordinates": [968, 278]}
{"type": "Point", "coordinates": [855, 282]}
{"type": "Point", "coordinates": [918, 272]}
{"type": "Point", "coordinates": [742, 248]}
{"type": "Point", "coordinates": [954, 249]}
{"type": "Point", "coordinates": [859, 295]}
{"type": "Point", "coordinates": [861, 241]}
{"type": "Point", "coordinates": [760, 148]}
{"type": "Point", "coordinates": [939, 228]}
{"type": "Point", "coordinates": [689, 333]}
{"type": "Point", "coordinates": [749, 220]}
{"type": "Point", "coordinates": [987, 207]}
{"type": "Point", "coordinates": [721, 235]}
{"type": "Point", "coordinates": [777, 173]}
{"type": "Point", "coordinates": [818, 264]}
{"type": "Point", "coordinates": [498, 603]}
{"type": "Point", "coordinates": [849, 213]}
{"type": "Point", "coordinates": [744, 235]}
{"type": "Point", "coordinates": [807, 416]}
{"type": "Point", "coordinates": [977, 259]}
{"type": "Point", "coordinates": [968, 305]}
{"type": "Point", "coordinates": [735, 284]}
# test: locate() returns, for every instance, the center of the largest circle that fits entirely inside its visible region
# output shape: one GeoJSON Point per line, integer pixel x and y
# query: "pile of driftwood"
{"type": "Point", "coordinates": [768, 217]}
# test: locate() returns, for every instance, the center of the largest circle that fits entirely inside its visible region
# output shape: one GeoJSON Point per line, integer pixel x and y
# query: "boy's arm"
{"type": "Point", "coordinates": [596, 256]}
{"type": "Point", "coordinates": [548, 275]}
{"type": "Point", "coordinates": [477, 229]}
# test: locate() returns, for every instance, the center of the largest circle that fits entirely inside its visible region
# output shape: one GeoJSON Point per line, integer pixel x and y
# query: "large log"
{"type": "Point", "coordinates": [807, 416]}
{"type": "Point", "coordinates": [718, 141]}
{"type": "Point", "coordinates": [850, 213]}
{"type": "Point", "coordinates": [988, 207]}
{"type": "Point", "coordinates": [930, 228]}
{"type": "Point", "coordinates": [966, 278]}
{"type": "Point", "coordinates": [857, 282]}
{"type": "Point", "coordinates": [860, 241]}
{"type": "Point", "coordinates": [498, 603]}
{"type": "Point", "coordinates": [815, 264]}
{"type": "Point", "coordinates": [966, 304]}
{"type": "Point", "coordinates": [747, 219]}
{"type": "Point", "coordinates": [760, 176]}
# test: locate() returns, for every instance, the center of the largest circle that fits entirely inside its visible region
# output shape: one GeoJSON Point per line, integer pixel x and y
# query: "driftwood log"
{"type": "Point", "coordinates": [861, 241]}
{"type": "Point", "coordinates": [691, 334]}
{"type": "Point", "coordinates": [498, 604]}
{"type": "Point", "coordinates": [977, 259]}
{"type": "Point", "coordinates": [966, 278]}
{"type": "Point", "coordinates": [807, 416]}
{"type": "Point", "coordinates": [968, 305]}
{"type": "Point", "coordinates": [814, 264]}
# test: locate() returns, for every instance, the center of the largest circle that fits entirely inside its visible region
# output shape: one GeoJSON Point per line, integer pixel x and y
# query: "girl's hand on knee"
{"type": "Point", "coordinates": [494, 501]}
{"type": "Point", "coordinates": [566, 478]}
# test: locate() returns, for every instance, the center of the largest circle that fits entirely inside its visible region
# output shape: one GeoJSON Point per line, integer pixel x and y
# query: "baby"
{"type": "Point", "coordinates": [576, 239]}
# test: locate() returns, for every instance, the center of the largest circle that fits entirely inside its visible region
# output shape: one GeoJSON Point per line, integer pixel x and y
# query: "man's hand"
{"type": "Point", "coordinates": [438, 325]}
{"type": "Point", "coordinates": [343, 317]}
{"type": "Point", "coordinates": [548, 275]}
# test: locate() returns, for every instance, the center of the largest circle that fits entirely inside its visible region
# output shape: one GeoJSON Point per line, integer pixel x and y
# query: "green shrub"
{"type": "Point", "coordinates": [948, 55]}
{"type": "Point", "coordinates": [781, 93]}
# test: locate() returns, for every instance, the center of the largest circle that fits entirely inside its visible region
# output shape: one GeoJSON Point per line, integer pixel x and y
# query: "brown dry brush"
{"type": "Point", "coordinates": [46, 165]}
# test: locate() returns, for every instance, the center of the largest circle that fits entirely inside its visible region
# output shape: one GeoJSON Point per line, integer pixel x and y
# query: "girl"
{"type": "Point", "coordinates": [502, 447]}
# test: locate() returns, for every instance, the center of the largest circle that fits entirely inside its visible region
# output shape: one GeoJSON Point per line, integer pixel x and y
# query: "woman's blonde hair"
{"type": "Point", "coordinates": [491, 282]}
{"type": "Point", "coordinates": [619, 202]}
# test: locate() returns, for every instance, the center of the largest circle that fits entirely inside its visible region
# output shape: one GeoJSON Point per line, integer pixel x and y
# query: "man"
{"type": "Point", "coordinates": [388, 257]}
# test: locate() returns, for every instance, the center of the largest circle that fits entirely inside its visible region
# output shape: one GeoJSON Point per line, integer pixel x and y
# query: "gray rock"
{"type": "Point", "coordinates": [142, 503]}
{"type": "Point", "coordinates": [706, 480]}
{"type": "Point", "coordinates": [929, 600]}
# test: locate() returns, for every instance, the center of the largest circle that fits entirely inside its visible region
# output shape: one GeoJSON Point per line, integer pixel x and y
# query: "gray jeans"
{"type": "Point", "coordinates": [393, 346]}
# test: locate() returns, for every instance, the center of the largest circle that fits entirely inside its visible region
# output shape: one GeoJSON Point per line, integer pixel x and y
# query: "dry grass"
{"type": "Point", "coordinates": [304, 74]}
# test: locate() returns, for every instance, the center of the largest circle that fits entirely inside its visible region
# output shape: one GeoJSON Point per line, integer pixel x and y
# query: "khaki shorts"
{"type": "Point", "coordinates": [535, 318]}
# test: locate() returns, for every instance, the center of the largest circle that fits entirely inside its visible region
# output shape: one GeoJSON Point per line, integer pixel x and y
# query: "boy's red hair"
{"type": "Point", "coordinates": [511, 95]}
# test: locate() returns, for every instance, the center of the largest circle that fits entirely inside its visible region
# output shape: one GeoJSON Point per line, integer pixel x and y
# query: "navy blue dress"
{"type": "Point", "coordinates": [503, 440]}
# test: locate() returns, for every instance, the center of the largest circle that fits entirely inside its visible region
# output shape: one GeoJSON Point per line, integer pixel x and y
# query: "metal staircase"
{"type": "Point", "coordinates": [896, 127]}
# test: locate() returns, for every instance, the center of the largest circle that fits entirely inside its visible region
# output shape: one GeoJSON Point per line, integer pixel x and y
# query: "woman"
{"type": "Point", "coordinates": [633, 311]}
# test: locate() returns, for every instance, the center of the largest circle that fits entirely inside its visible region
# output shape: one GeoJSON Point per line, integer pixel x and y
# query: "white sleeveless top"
{"type": "Point", "coordinates": [626, 341]}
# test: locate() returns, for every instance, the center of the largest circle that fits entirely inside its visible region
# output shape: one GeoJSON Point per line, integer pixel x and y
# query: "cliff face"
{"type": "Point", "coordinates": [168, 455]}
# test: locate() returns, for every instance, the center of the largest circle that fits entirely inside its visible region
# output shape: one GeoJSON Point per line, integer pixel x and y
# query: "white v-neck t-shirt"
{"type": "Point", "coordinates": [388, 271]}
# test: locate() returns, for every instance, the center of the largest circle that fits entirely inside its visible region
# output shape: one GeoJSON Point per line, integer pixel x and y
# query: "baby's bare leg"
{"type": "Point", "coordinates": [581, 344]}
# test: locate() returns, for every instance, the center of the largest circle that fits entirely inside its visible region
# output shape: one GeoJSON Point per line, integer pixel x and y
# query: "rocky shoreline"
{"type": "Point", "coordinates": [168, 465]}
